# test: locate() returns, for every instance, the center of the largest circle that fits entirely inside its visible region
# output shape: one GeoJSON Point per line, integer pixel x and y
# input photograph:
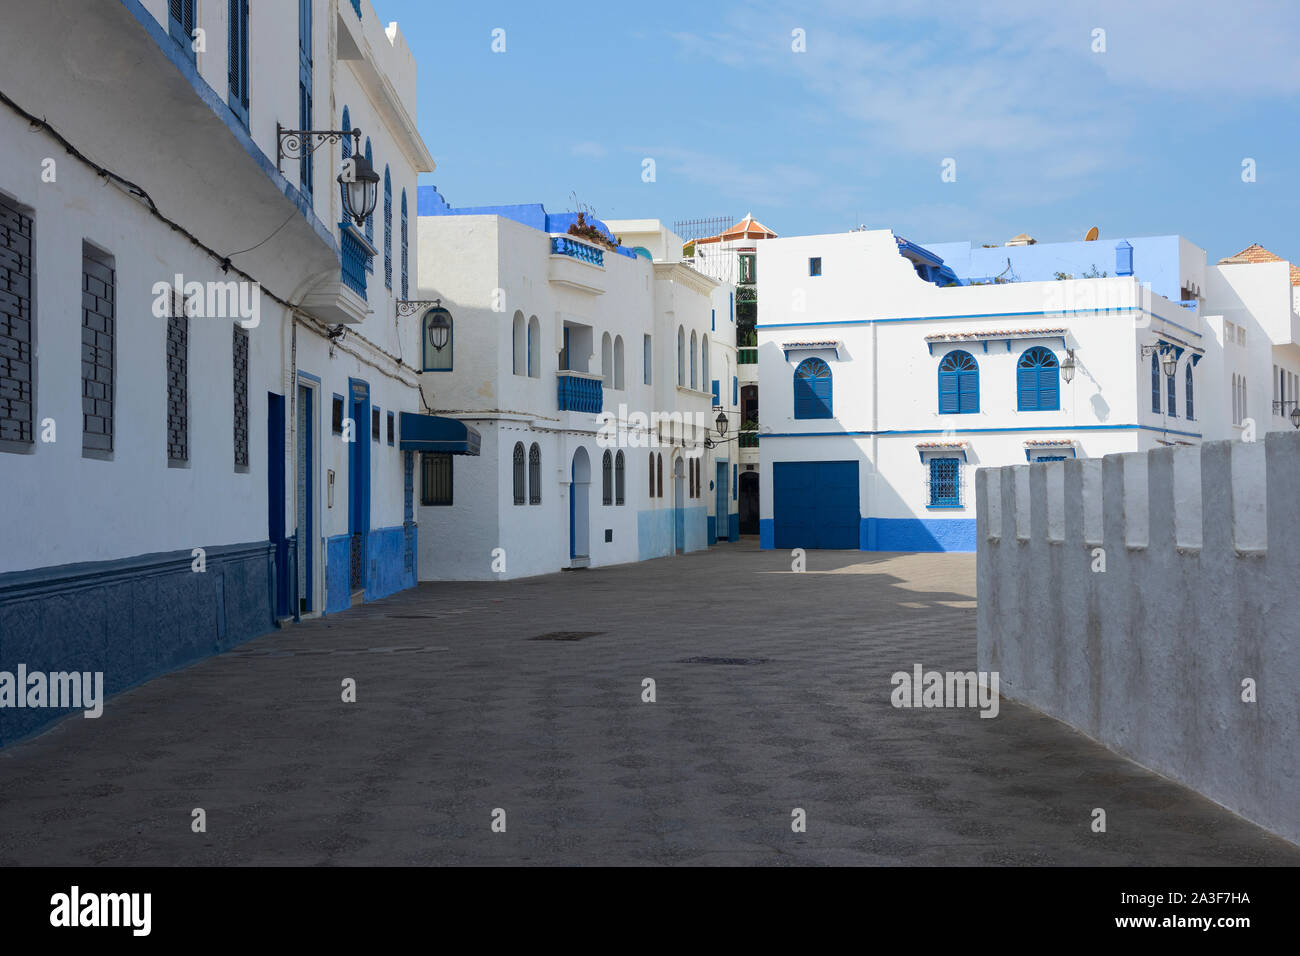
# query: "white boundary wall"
{"type": "Point", "coordinates": [1201, 590]}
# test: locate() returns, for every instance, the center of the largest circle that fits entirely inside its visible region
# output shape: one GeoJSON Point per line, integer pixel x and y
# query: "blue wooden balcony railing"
{"type": "Point", "coordinates": [577, 393]}
{"type": "Point", "coordinates": [355, 258]}
{"type": "Point", "coordinates": [568, 246]}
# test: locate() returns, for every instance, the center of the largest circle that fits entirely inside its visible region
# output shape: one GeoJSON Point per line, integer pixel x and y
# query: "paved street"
{"type": "Point", "coordinates": [461, 710]}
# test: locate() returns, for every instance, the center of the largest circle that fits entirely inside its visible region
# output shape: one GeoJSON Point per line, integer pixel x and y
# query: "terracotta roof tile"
{"type": "Point", "coordinates": [1254, 253]}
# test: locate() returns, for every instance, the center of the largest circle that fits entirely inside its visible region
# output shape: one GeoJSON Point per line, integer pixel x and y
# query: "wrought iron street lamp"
{"type": "Point", "coordinates": [301, 143]}
{"type": "Point", "coordinates": [439, 325]}
{"type": "Point", "coordinates": [1170, 363]}
{"type": "Point", "coordinates": [1067, 366]}
{"type": "Point", "coordinates": [1295, 416]}
{"type": "Point", "coordinates": [721, 422]}
{"type": "Point", "coordinates": [360, 185]}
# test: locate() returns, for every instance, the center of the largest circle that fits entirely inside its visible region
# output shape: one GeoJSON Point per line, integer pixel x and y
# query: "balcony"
{"type": "Point", "coordinates": [568, 246]}
{"type": "Point", "coordinates": [748, 439]}
{"type": "Point", "coordinates": [356, 256]}
{"type": "Point", "coordinates": [747, 356]}
{"type": "Point", "coordinates": [577, 265]}
{"type": "Point", "coordinates": [579, 392]}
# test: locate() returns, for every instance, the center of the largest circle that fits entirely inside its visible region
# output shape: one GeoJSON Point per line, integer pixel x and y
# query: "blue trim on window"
{"type": "Point", "coordinates": [406, 254]}
{"type": "Point", "coordinates": [370, 220]}
{"type": "Point", "coordinates": [813, 389]}
{"type": "Point", "coordinates": [945, 483]}
{"type": "Point", "coordinates": [959, 384]}
{"type": "Point", "coordinates": [237, 58]}
{"type": "Point", "coordinates": [735, 390]}
{"type": "Point", "coordinates": [182, 30]}
{"type": "Point", "coordinates": [1038, 381]}
{"type": "Point", "coordinates": [1172, 381]}
{"type": "Point", "coordinates": [1191, 408]}
{"type": "Point", "coordinates": [388, 229]}
{"type": "Point", "coordinates": [1155, 383]}
{"type": "Point", "coordinates": [716, 399]}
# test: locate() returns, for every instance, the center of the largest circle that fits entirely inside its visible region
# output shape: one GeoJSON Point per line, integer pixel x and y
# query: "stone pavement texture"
{"type": "Point", "coordinates": [460, 711]}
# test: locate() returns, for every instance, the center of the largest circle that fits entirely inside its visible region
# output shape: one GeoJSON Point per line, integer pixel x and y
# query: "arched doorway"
{"type": "Point", "coordinates": [747, 496]}
{"type": "Point", "coordinates": [579, 509]}
{"type": "Point", "coordinates": [679, 506]}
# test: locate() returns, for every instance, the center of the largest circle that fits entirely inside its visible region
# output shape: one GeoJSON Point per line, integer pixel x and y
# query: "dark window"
{"type": "Point", "coordinates": [945, 483]}
{"type": "Point", "coordinates": [336, 417]}
{"type": "Point", "coordinates": [1038, 381]}
{"type": "Point", "coordinates": [435, 478]}
{"type": "Point", "coordinates": [812, 389]}
{"type": "Point", "coordinates": [519, 473]}
{"type": "Point", "coordinates": [607, 479]}
{"type": "Point", "coordinates": [652, 474]}
{"type": "Point", "coordinates": [305, 173]}
{"type": "Point", "coordinates": [404, 249]}
{"type": "Point", "coordinates": [16, 393]}
{"type": "Point", "coordinates": [241, 397]}
{"type": "Point", "coordinates": [178, 406]}
{"type": "Point", "coordinates": [98, 344]}
{"type": "Point", "coordinates": [238, 59]}
{"type": "Point", "coordinates": [815, 266]}
{"type": "Point", "coordinates": [180, 24]}
{"type": "Point", "coordinates": [1155, 383]}
{"type": "Point", "coordinates": [1172, 381]}
{"type": "Point", "coordinates": [748, 272]}
{"type": "Point", "coordinates": [374, 424]}
{"type": "Point", "coordinates": [388, 229]}
{"type": "Point", "coordinates": [534, 475]}
{"type": "Point", "coordinates": [959, 384]}
{"type": "Point", "coordinates": [1188, 389]}
{"type": "Point", "coordinates": [390, 428]}
{"type": "Point", "coordinates": [620, 481]}
{"type": "Point", "coordinates": [659, 469]}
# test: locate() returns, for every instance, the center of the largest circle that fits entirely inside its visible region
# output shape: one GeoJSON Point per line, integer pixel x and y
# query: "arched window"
{"type": "Point", "coordinates": [519, 344]}
{"type": "Point", "coordinates": [704, 361]}
{"type": "Point", "coordinates": [607, 360]}
{"type": "Point", "coordinates": [534, 475]}
{"type": "Point", "coordinates": [405, 252]}
{"type": "Point", "coordinates": [620, 481]}
{"type": "Point", "coordinates": [1155, 383]}
{"type": "Point", "coordinates": [812, 389]}
{"type": "Point", "coordinates": [439, 333]}
{"type": "Point", "coordinates": [618, 361]}
{"type": "Point", "coordinates": [534, 346]}
{"type": "Point", "coordinates": [652, 474]}
{"type": "Point", "coordinates": [388, 229]}
{"type": "Point", "coordinates": [694, 380]}
{"type": "Point", "coordinates": [607, 478]}
{"type": "Point", "coordinates": [370, 220]}
{"type": "Point", "coordinates": [659, 470]}
{"type": "Point", "coordinates": [1172, 385]}
{"type": "Point", "coordinates": [1038, 381]}
{"type": "Point", "coordinates": [1187, 389]}
{"type": "Point", "coordinates": [519, 473]}
{"type": "Point", "coordinates": [681, 355]}
{"type": "Point", "coordinates": [1236, 399]}
{"type": "Point", "coordinates": [959, 384]}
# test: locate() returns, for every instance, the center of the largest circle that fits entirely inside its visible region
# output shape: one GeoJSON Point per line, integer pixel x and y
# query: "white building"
{"type": "Point", "coordinates": [890, 371]}
{"type": "Point", "coordinates": [547, 333]}
{"type": "Point", "coordinates": [175, 484]}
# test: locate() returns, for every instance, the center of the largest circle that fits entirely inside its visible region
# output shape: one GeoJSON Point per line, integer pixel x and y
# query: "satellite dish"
{"type": "Point", "coordinates": [1092, 235]}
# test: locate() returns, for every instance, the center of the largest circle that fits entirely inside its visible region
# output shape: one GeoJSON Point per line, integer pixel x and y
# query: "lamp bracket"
{"type": "Point", "coordinates": [297, 143]}
{"type": "Point", "coordinates": [407, 307]}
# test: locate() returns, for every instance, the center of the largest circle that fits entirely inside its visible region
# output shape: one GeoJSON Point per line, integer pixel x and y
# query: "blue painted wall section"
{"type": "Point", "coordinates": [337, 571]}
{"type": "Point", "coordinates": [133, 618]}
{"type": "Point", "coordinates": [733, 526]}
{"type": "Point", "coordinates": [713, 533]}
{"type": "Point", "coordinates": [386, 563]}
{"type": "Point", "coordinates": [918, 534]}
{"type": "Point", "coordinates": [766, 533]}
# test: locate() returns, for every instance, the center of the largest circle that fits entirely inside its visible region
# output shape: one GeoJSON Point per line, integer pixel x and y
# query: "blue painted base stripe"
{"type": "Point", "coordinates": [918, 534]}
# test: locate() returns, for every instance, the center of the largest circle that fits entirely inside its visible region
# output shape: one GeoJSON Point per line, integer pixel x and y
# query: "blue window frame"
{"type": "Point", "coordinates": [1172, 381]}
{"type": "Point", "coordinates": [959, 384]}
{"type": "Point", "coordinates": [1155, 383]}
{"type": "Point", "coordinates": [306, 178]}
{"type": "Point", "coordinates": [945, 483]}
{"type": "Point", "coordinates": [735, 481]}
{"type": "Point", "coordinates": [370, 220]}
{"type": "Point", "coordinates": [1038, 381]}
{"type": "Point", "coordinates": [815, 266]}
{"type": "Point", "coordinates": [735, 390]}
{"type": "Point", "coordinates": [1187, 388]}
{"type": "Point", "coordinates": [716, 399]}
{"type": "Point", "coordinates": [812, 389]}
{"type": "Point", "coordinates": [713, 319]}
{"type": "Point", "coordinates": [180, 25]}
{"type": "Point", "coordinates": [238, 59]}
{"type": "Point", "coordinates": [388, 229]}
{"type": "Point", "coordinates": [405, 253]}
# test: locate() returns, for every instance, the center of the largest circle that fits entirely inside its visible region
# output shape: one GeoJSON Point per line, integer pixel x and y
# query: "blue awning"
{"type": "Point", "coordinates": [434, 433]}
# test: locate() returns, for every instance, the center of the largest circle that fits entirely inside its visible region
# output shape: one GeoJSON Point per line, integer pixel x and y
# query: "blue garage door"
{"type": "Point", "coordinates": [815, 504]}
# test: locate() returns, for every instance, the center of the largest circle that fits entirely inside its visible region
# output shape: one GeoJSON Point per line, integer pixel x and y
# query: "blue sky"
{"type": "Point", "coordinates": [1048, 136]}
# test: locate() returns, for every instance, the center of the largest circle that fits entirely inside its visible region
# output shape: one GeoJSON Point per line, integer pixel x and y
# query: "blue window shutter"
{"type": "Point", "coordinates": [1173, 395]}
{"type": "Point", "coordinates": [404, 264]}
{"type": "Point", "coordinates": [968, 391]}
{"type": "Point", "coordinates": [1027, 389]}
{"type": "Point", "coordinates": [735, 480]}
{"type": "Point", "coordinates": [370, 220]}
{"type": "Point", "coordinates": [716, 400]}
{"type": "Point", "coordinates": [1188, 390]}
{"type": "Point", "coordinates": [237, 59]}
{"type": "Point", "coordinates": [948, 393]}
{"type": "Point", "coordinates": [1049, 389]}
{"type": "Point", "coordinates": [1155, 383]}
{"type": "Point", "coordinates": [731, 307]}
{"type": "Point", "coordinates": [812, 389]}
{"type": "Point", "coordinates": [735, 390]}
{"type": "Point", "coordinates": [388, 229]}
{"type": "Point", "coordinates": [713, 319]}
{"type": "Point", "coordinates": [180, 24]}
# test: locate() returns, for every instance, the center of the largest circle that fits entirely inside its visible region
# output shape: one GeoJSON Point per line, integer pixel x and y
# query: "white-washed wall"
{"type": "Point", "coordinates": [1199, 593]}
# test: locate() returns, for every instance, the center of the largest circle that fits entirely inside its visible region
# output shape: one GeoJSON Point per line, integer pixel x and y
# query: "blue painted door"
{"type": "Point", "coordinates": [720, 499]}
{"type": "Point", "coordinates": [359, 482]}
{"type": "Point", "coordinates": [305, 525]}
{"type": "Point", "coordinates": [815, 504]}
{"type": "Point", "coordinates": [275, 503]}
